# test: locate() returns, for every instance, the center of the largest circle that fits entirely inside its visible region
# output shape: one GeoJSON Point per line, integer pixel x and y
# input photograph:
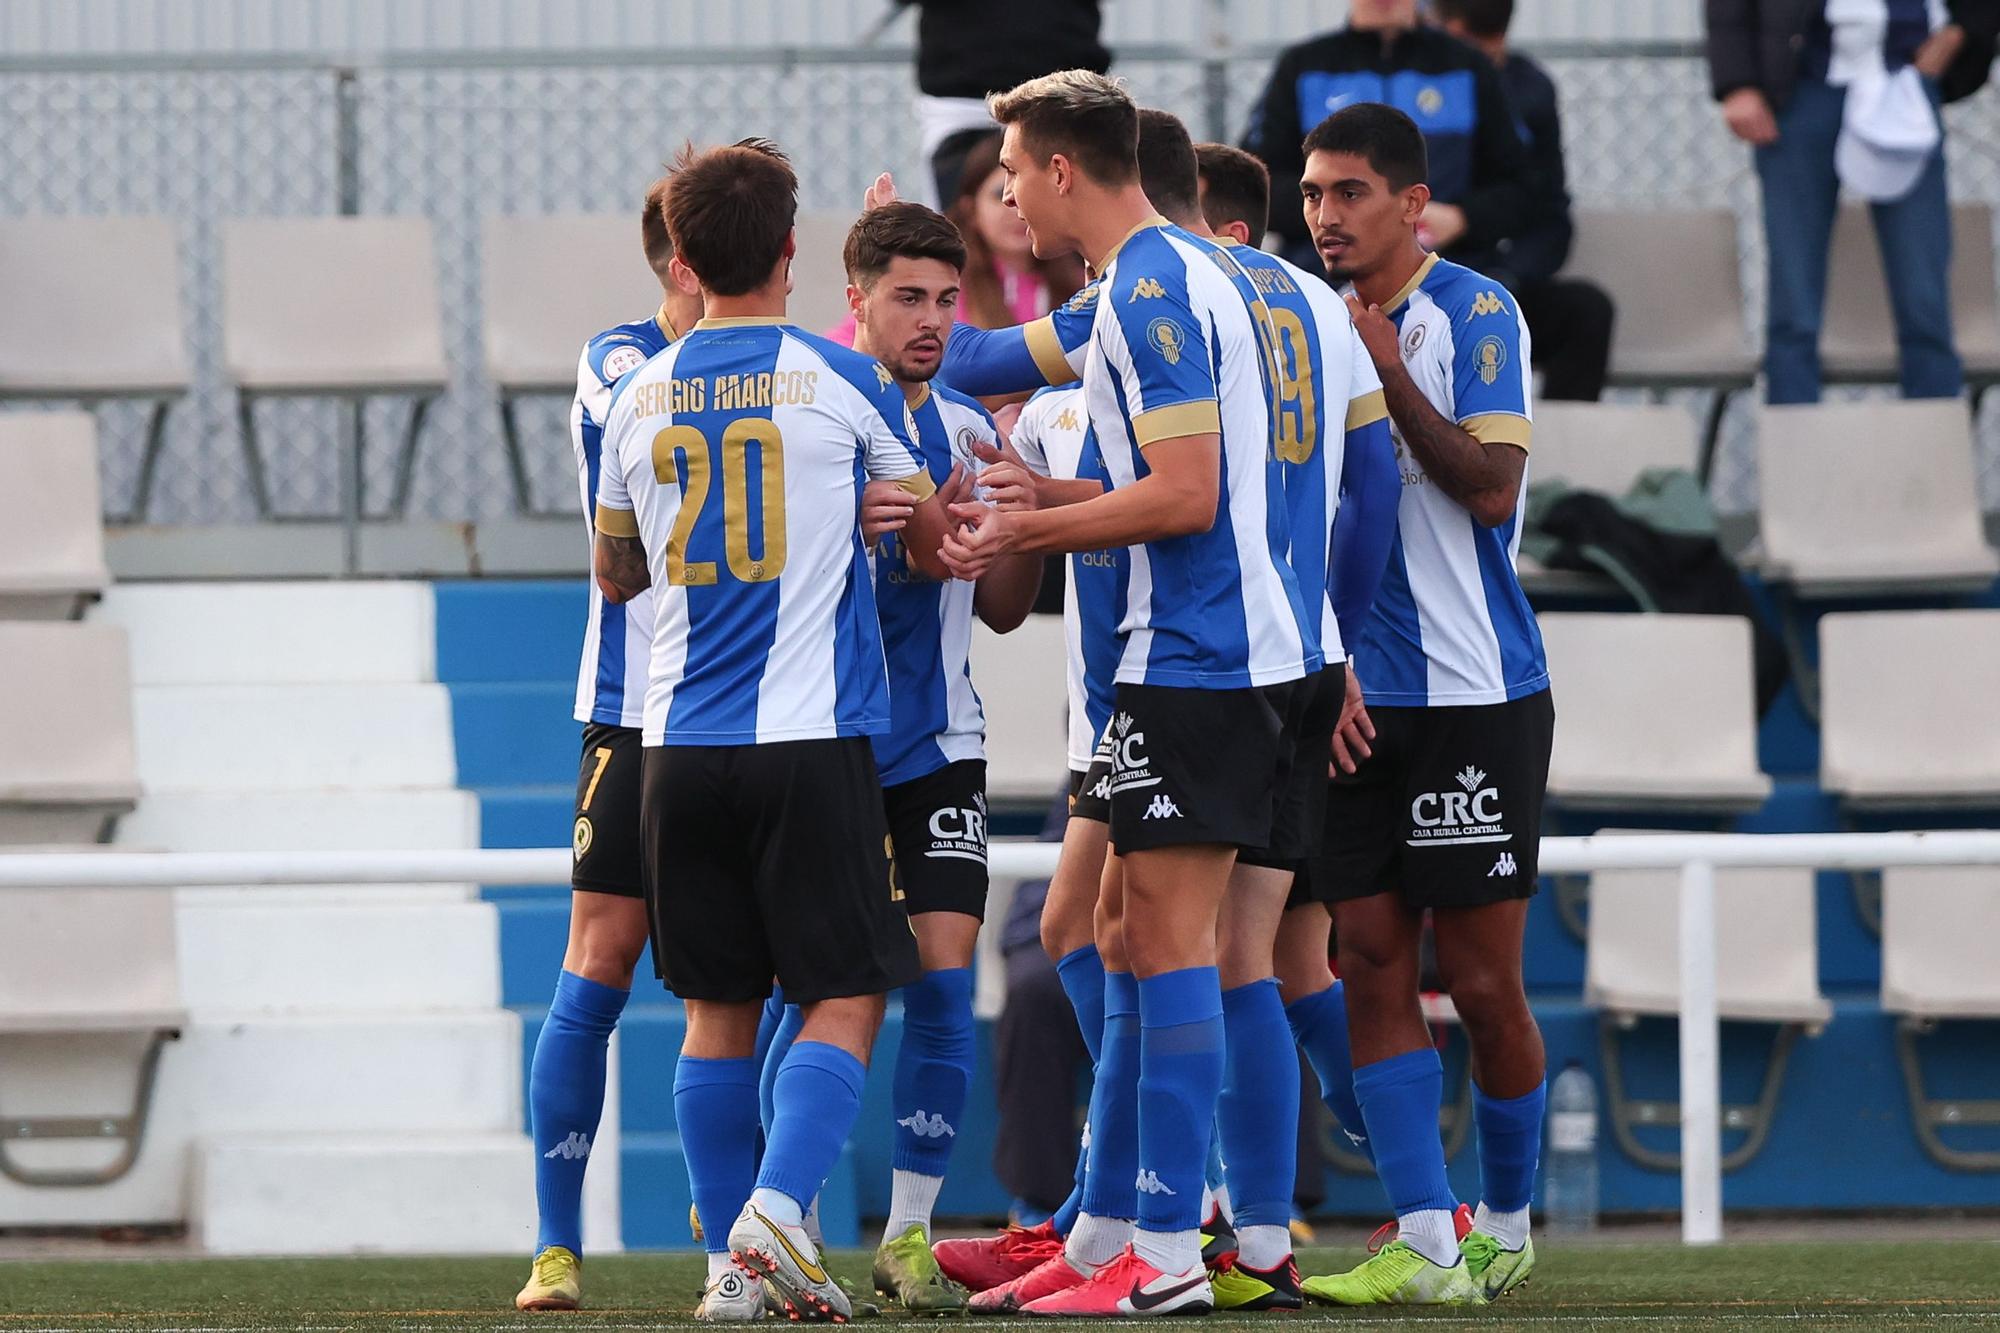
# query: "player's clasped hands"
{"type": "Point", "coordinates": [1006, 481]}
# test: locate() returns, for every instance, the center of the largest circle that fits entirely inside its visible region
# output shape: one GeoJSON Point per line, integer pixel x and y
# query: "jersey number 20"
{"type": "Point", "coordinates": [682, 457]}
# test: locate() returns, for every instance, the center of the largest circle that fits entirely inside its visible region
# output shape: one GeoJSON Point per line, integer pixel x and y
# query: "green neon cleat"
{"type": "Point", "coordinates": [1396, 1275]}
{"type": "Point", "coordinates": [907, 1271]}
{"type": "Point", "coordinates": [1496, 1271]}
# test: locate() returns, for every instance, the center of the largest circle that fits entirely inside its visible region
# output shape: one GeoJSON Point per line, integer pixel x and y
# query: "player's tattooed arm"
{"type": "Point", "coordinates": [621, 567]}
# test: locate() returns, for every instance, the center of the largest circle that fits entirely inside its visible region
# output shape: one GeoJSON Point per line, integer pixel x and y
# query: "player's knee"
{"type": "Point", "coordinates": [1487, 998]}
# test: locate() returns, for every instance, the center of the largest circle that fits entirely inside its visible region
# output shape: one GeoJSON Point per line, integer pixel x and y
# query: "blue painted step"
{"type": "Point", "coordinates": [521, 630]}
{"type": "Point", "coordinates": [528, 815]}
{"type": "Point", "coordinates": [515, 733]}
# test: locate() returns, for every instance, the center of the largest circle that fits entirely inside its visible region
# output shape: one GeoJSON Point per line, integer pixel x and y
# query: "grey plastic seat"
{"type": "Point", "coordinates": [1604, 447]}
{"type": "Point", "coordinates": [1907, 715]}
{"type": "Point", "coordinates": [1616, 748]}
{"type": "Point", "coordinates": [341, 307]}
{"type": "Point", "coordinates": [549, 284]}
{"type": "Point", "coordinates": [105, 293]}
{"type": "Point", "coordinates": [67, 768]}
{"type": "Point", "coordinates": [1870, 497]}
{"type": "Point", "coordinates": [51, 522]}
{"type": "Point", "coordinates": [1858, 338]}
{"type": "Point", "coordinates": [819, 276]}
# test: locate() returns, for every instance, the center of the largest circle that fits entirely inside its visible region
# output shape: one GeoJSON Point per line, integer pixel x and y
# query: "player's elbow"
{"type": "Point", "coordinates": [613, 594]}
{"type": "Point", "coordinates": [1189, 506]}
{"type": "Point", "coordinates": [1491, 508]}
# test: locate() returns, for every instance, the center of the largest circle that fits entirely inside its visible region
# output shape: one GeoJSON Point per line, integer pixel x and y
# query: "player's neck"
{"type": "Point", "coordinates": [767, 302]}
{"type": "Point", "coordinates": [1115, 215]}
{"type": "Point", "coordinates": [1382, 286]}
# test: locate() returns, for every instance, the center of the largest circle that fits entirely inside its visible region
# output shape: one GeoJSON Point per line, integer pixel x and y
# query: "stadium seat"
{"type": "Point", "coordinates": [1618, 748]}
{"type": "Point", "coordinates": [1870, 497]}
{"type": "Point", "coordinates": [340, 307]}
{"type": "Point", "coordinates": [1858, 341]}
{"type": "Point", "coordinates": [547, 285]}
{"type": "Point", "coordinates": [92, 968]}
{"type": "Point", "coordinates": [51, 523]}
{"type": "Point", "coordinates": [106, 297]}
{"type": "Point", "coordinates": [1767, 971]}
{"type": "Point", "coordinates": [1907, 708]}
{"type": "Point", "coordinates": [1021, 681]}
{"type": "Point", "coordinates": [1938, 928]}
{"type": "Point", "coordinates": [1604, 447]}
{"type": "Point", "coordinates": [66, 753]}
{"type": "Point", "coordinates": [819, 277]}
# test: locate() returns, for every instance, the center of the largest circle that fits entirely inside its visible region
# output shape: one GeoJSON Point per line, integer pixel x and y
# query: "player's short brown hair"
{"type": "Point", "coordinates": [1086, 116]}
{"type": "Point", "coordinates": [729, 211]}
{"type": "Point", "coordinates": [653, 235]}
{"type": "Point", "coordinates": [1236, 188]}
{"type": "Point", "coordinates": [1167, 170]}
{"type": "Point", "coordinates": [900, 230]}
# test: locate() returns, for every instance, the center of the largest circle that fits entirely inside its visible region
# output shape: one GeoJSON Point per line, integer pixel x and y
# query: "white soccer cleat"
{"type": "Point", "coordinates": [785, 1258]}
{"type": "Point", "coordinates": [731, 1297]}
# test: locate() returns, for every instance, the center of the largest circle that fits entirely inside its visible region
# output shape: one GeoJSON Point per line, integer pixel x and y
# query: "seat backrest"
{"type": "Point", "coordinates": [51, 523]}
{"type": "Point", "coordinates": [1604, 447]}
{"type": "Point", "coordinates": [1860, 333]}
{"type": "Point", "coordinates": [1612, 670]}
{"type": "Point", "coordinates": [66, 713]}
{"type": "Point", "coordinates": [819, 276]}
{"type": "Point", "coordinates": [331, 304]}
{"type": "Point", "coordinates": [95, 307]}
{"type": "Point", "coordinates": [1021, 681]}
{"type": "Point", "coordinates": [1674, 276]}
{"type": "Point", "coordinates": [550, 283]}
{"type": "Point", "coordinates": [1906, 704]}
{"type": "Point", "coordinates": [1938, 928]}
{"type": "Point", "coordinates": [82, 959]}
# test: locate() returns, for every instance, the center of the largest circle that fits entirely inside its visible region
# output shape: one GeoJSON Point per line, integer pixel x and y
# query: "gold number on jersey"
{"type": "Point", "coordinates": [681, 457]}
{"type": "Point", "coordinates": [1298, 426]}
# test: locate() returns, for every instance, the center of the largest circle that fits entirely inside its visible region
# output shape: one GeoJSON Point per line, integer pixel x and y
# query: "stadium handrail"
{"type": "Point", "coordinates": [1697, 856]}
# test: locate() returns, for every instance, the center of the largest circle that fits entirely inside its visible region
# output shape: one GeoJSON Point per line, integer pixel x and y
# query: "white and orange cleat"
{"type": "Point", "coordinates": [1129, 1287]}
{"type": "Point", "coordinates": [1052, 1275]}
{"type": "Point", "coordinates": [981, 1263]}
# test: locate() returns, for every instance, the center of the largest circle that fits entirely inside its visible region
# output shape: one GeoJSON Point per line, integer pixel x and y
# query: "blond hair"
{"type": "Point", "coordinates": [1086, 116]}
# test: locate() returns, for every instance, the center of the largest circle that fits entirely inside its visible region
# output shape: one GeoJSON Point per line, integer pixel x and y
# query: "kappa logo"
{"type": "Point", "coordinates": [572, 1149]}
{"type": "Point", "coordinates": [882, 375]}
{"type": "Point", "coordinates": [1505, 867]}
{"type": "Point", "coordinates": [1145, 289]}
{"type": "Point", "coordinates": [1149, 1182]}
{"type": "Point", "coordinates": [1067, 419]}
{"type": "Point", "coordinates": [1471, 814]}
{"type": "Point", "coordinates": [932, 1127]}
{"type": "Point", "coordinates": [1163, 807]}
{"type": "Point", "coordinates": [1486, 303]}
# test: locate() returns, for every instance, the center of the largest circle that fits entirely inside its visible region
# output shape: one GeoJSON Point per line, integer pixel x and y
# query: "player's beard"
{"type": "Point", "coordinates": [908, 371]}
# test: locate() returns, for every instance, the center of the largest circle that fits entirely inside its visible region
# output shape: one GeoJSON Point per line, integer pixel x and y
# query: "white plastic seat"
{"type": "Point", "coordinates": [1675, 277]}
{"type": "Point", "coordinates": [1906, 708]}
{"type": "Point", "coordinates": [51, 522]}
{"type": "Point", "coordinates": [819, 276]}
{"type": "Point", "coordinates": [1858, 339]}
{"type": "Point", "coordinates": [1020, 679]}
{"type": "Point", "coordinates": [66, 754]}
{"type": "Point", "coordinates": [1604, 447]}
{"type": "Point", "coordinates": [1870, 497]}
{"type": "Point", "coordinates": [1627, 687]}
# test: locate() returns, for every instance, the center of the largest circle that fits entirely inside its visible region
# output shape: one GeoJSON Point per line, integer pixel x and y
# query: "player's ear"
{"type": "Point", "coordinates": [855, 296]}
{"type": "Point", "coordinates": [683, 277]}
{"type": "Point", "coordinates": [1414, 201]}
{"type": "Point", "coordinates": [1061, 174]}
{"type": "Point", "coordinates": [1238, 232]}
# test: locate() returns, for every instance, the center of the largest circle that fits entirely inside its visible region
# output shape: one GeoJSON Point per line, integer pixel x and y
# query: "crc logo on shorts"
{"type": "Point", "coordinates": [1130, 765]}
{"type": "Point", "coordinates": [1450, 818]}
{"type": "Point", "coordinates": [958, 832]}
{"type": "Point", "coordinates": [581, 837]}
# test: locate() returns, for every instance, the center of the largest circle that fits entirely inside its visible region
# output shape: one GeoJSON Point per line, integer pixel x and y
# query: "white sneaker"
{"type": "Point", "coordinates": [731, 1297]}
{"type": "Point", "coordinates": [785, 1257]}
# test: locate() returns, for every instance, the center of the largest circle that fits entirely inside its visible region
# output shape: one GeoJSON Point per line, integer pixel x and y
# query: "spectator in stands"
{"type": "Point", "coordinates": [1570, 319]}
{"type": "Point", "coordinates": [969, 48]}
{"type": "Point", "coordinates": [1845, 92]}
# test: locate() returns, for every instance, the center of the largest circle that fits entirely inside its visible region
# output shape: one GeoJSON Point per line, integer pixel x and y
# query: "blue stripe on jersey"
{"type": "Point", "coordinates": [1514, 627]}
{"type": "Point", "coordinates": [911, 610]}
{"type": "Point", "coordinates": [610, 702]}
{"type": "Point", "coordinates": [1305, 498]}
{"type": "Point", "coordinates": [858, 662]}
{"type": "Point", "coordinates": [1391, 657]}
{"type": "Point", "coordinates": [1103, 580]}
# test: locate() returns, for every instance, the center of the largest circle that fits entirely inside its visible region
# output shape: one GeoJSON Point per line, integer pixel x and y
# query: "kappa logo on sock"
{"type": "Point", "coordinates": [572, 1149]}
{"type": "Point", "coordinates": [928, 1127]}
{"type": "Point", "coordinates": [1149, 1182]}
{"type": "Point", "coordinates": [1358, 1140]}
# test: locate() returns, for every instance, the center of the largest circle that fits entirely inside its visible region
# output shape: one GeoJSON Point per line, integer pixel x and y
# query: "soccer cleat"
{"type": "Point", "coordinates": [862, 1306]}
{"type": "Point", "coordinates": [1054, 1274]}
{"type": "Point", "coordinates": [980, 1263]}
{"type": "Point", "coordinates": [1461, 1225]}
{"type": "Point", "coordinates": [556, 1283]}
{"type": "Point", "coordinates": [1461, 1221]}
{"type": "Point", "coordinates": [1396, 1275]}
{"type": "Point", "coordinates": [906, 1270]}
{"type": "Point", "coordinates": [784, 1257]}
{"type": "Point", "coordinates": [1303, 1234]}
{"type": "Point", "coordinates": [1218, 1239]}
{"type": "Point", "coordinates": [694, 1224]}
{"type": "Point", "coordinates": [731, 1297]}
{"type": "Point", "coordinates": [1238, 1287]}
{"type": "Point", "coordinates": [1496, 1271]}
{"type": "Point", "coordinates": [1129, 1286]}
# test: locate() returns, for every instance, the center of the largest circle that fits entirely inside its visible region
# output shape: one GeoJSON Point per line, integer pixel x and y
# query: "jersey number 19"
{"type": "Point", "coordinates": [682, 457]}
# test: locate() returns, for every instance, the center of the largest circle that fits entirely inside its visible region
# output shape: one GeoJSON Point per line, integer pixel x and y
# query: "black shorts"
{"type": "Point", "coordinates": [1090, 790]}
{"type": "Point", "coordinates": [1301, 812]}
{"type": "Point", "coordinates": [1446, 810]}
{"type": "Point", "coordinates": [1199, 766]}
{"type": "Point", "coordinates": [937, 829]}
{"type": "Point", "coordinates": [770, 861]}
{"type": "Point", "coordinates": [604, 840]}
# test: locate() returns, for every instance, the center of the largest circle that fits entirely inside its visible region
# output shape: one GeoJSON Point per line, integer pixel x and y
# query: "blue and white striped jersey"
{"type": "Point", "coordinates": [611, 679]}
{"type": "Point", "coordinates": [1053, 436]}
{"type": "Point", "coordinates": [1451, 624]}
{"type": "Point", "coordinates": [1176, 349]}
{"type": "Point", "coordinates": [737, 456]}
{"type": "Point", "coordinates": [935, 717]}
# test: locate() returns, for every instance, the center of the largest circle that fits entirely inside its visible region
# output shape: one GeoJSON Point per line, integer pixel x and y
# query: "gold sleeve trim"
{"type": "Point", "coordinates": [1046, 348]}
{"type": "Point", "coordinates": [617, 522]}
{"type": "Point", "coordinates": [918, 485]}
{"type": "Point", "coordinates": [1498, 428]}
{"type": "Point", "coordinates": [1367, 409]}
{"type": "Point", "coordinates": [1170, 423]}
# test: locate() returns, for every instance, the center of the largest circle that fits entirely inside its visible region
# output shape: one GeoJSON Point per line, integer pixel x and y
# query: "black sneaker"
{"type": "Point", "coordinates": [1218, 1240]}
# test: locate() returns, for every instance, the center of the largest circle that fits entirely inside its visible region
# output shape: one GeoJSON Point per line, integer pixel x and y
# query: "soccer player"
{"type": "Point", "coordinates": [607, 918]}
{"type": "Point", "coordinates": [1216, 641]}
{"type": "Point", "coordinates": [733, 468]}
{"type": "Point", "coordinates": [1446, 765]}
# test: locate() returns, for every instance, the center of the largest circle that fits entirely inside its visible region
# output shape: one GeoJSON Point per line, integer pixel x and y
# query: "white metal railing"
{"type": "Point", "coordinates": [1696, 855]}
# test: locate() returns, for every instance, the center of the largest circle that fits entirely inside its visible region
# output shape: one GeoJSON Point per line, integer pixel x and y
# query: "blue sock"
{"type": "Point", "coordinates": [566, 1098]}
{"type": "Point", "coordinates": [1399, 1101]}
{"type": "Point", "coordinates": [1510, 1144]}
{"type": "Point", "coordinates": [715, 1109]}
{"type": "Point", "coordinates": [1114, 1106]}
{"type": "Point", "coordinates": [816, 1095]}
{"type": "Point", "coordinates": [1064, 1217]}
{"type": "Point", "coordinates": [767, 1023]}
{"type": "Point", "coordinates": [1212, 1174]}
{"type": "Point", "coordinates": [1257, 1116]}
{"type": "Point", "coordinates": [933, 1069]}
{"type": "Point", "coordinates": [1081, 972]}
{"type": "Point", "coordinates": [1180, 1063]}
{"type": "Point", "coordinates": [782, 1037]}
{"type": "Point", "coordinates": [1319, 1025]}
